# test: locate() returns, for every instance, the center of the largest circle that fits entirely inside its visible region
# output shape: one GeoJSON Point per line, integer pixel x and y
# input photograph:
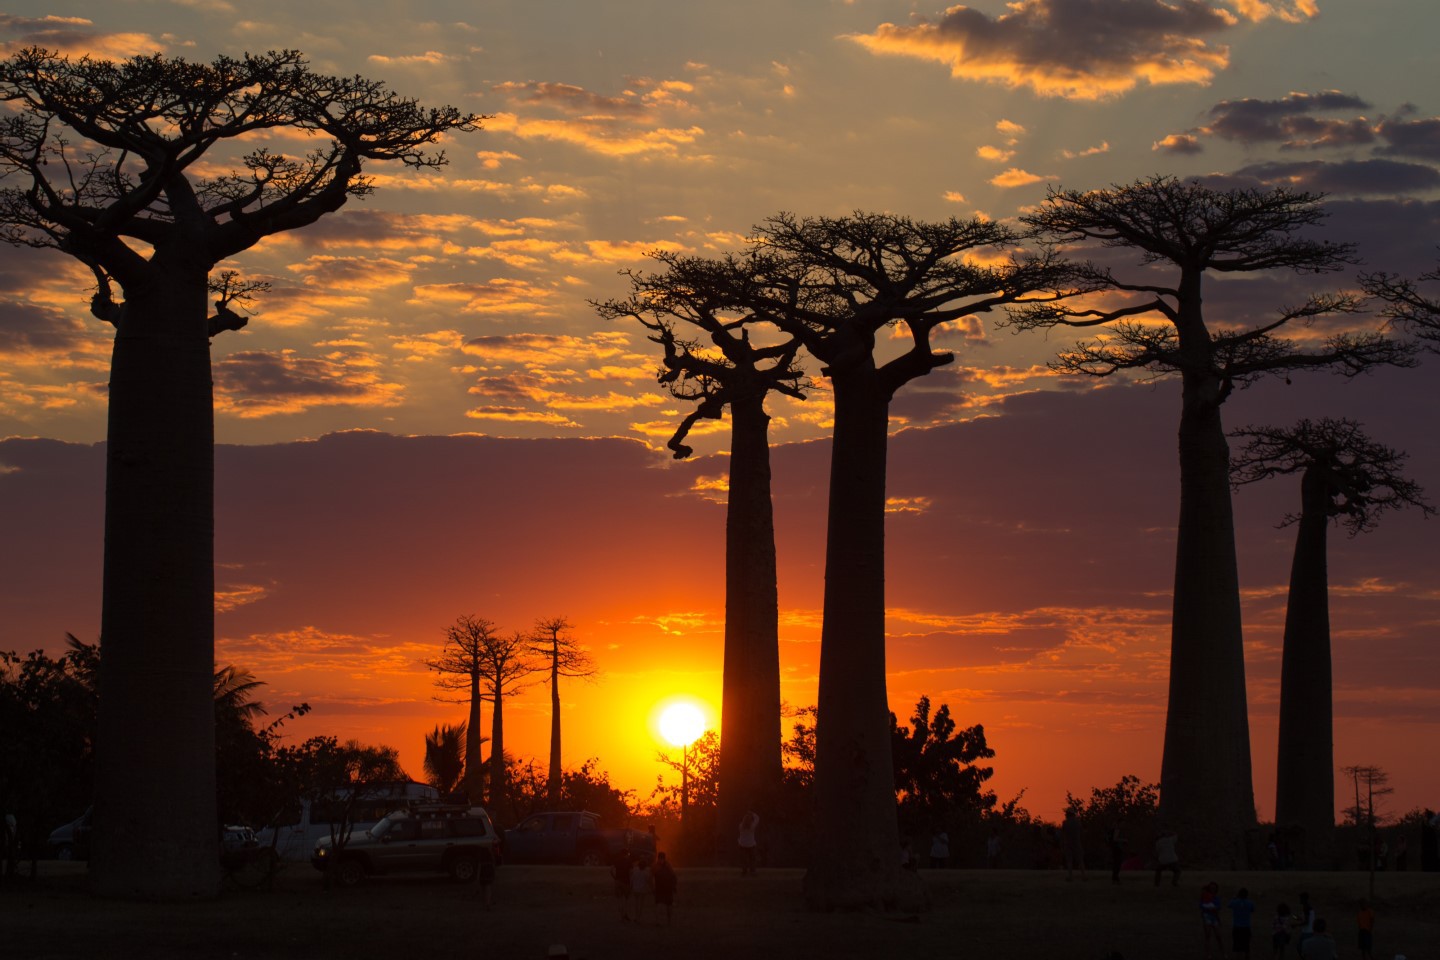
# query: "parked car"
{"type": "Point", "coordinates": [295, 832]}
{"type": "Point", "coordinates": [572, 837]}
{"type": "Point", "coordinates": [426, 838]}
{"type": "Point", "coordinates": [71, 841]}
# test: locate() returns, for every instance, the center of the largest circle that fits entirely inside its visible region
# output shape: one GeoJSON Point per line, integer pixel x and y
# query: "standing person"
{"type": "Point", "coordinates": [939, 849]}
{"type": "Point", "coordinates": [665, 884]}
{"type": "Point", "coordinates": [620, 875]}
{"type": "Point", "coordinates": [1242, 908]}
{"type": "Point", "coordinates": [1074, 841]}
{"type": "Point", "coordinates": [1166, 857]}
{"type": "Point", "coordinates": [1210, 917]}
{"type": "Point", "coordinates": [746, 839]}
{"type": "Point", "coordinates": [1304, 923]}
{"type": "Point", "coordinates": [1365, 926]}
{"type": "Point", "coordinates": [1319, 945]}
{"type": "Point", "coordinates": [992, 849]}
{"type": "Point", "coordinates": [486, 873]}
{"type": "Point", "coordinates": [1402, 853]}
{"type": "Point", "coordinates": [642, 886]}
{"type": "Point", "coordinates": [1280, 931]}
{"type": "Point", "coordinates": [1117, 850]}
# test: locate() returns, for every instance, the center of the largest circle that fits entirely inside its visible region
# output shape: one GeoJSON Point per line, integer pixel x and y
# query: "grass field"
{"type": "Point", "coordinates": [973, 914]}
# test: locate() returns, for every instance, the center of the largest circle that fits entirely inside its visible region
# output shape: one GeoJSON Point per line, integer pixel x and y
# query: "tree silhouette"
{"type": "Point", "coordinates": [1183, 231]}
{"type": "Point", "coordinates": [834, 284]}
{"type": "Point", "coordinates": [112, 164]}
{"type": "Point", "coordinates": [563, 657]}
{"type": "Point", "coordinates": [1345, 477]}
{"type": "Point", "coordinates": [935, 767]}
{"type": "Point", "coordinates": [506, 662]}
{"type": "Point", "coordinates": [1406, 303]}
{"type": "Point", "coordinates": [445, 757]}
{"type": "Point", "coordinates": [735, 374]}
{"type": "Point", "coordinates": [462, 666]}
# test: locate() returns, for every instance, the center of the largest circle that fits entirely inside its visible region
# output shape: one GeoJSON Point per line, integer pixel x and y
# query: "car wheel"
{"type": "Point", "coordinates": [349, 872]}
{"type": "Point", "coordinates": [591, 858]}
{"type": "Point", "coordinates": [65, 852]}
{"type": "Point", "coordinates": [464, 869]}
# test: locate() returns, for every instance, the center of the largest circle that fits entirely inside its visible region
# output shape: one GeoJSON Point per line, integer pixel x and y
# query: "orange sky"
{"type": "Point", "coordinates": [426, 418]}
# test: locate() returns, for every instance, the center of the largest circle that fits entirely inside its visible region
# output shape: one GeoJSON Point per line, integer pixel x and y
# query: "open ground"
{"type": "Point", "coordinates": [718, 914]}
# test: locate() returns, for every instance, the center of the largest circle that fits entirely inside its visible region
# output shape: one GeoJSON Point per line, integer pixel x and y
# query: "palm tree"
{"type": "Point", "coordinates": [445, 757]}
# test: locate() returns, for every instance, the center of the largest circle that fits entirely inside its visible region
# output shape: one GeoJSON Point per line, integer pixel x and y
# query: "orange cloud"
{"type": "Point", "coordinates": [1015, 177]}
{"type": "Point", "coordinates": [1061, 48]}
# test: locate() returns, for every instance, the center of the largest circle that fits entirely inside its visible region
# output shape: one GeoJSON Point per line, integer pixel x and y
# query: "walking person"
{"type": "Point", "coordinates": [746, 838]}
{"type": "Point", "coordinates": [642, 886]}
{"type": "Point", "coordinates": [1074, 842]}
{"type": "Point", "coordinates": [665, 884]}
{"type": "Point", "coordinates": [1166, 857]}
{"type": "Point", "coordinates": [1280, 931]}
{"type": "Point", "coordinates": [1242, 908]}
{"type": "Point", "coordinates": [1365, 930]}
{"type": "Point", "coordinates": [620, 878]}
{"type": "Point", "coordinates": [1210, 918]}
{"type": "Point", "coordinates": [1117, 850]}
{"type": "Point", "coordinates": [1304, 923]}
{"type": "Point", "coordinates": [939, 849]}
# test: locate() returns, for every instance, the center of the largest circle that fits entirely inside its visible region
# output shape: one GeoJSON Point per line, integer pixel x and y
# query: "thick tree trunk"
{"type": "Point", "coordinates": [498, 786]}
{"type": "Point", "coordinates": [552, 788]}
{"type": "Point", "coordinates": [855, 862]}
{"type": "Point", "coordinates": [750, 766]}
{"type": "Point", "coordinates": [1205, 780]}
{"type": "Point", "coordinates": [1305, 763]}
{"type": "Point", "coordinates": [474, 767]}
{"type": "Point", "coordinates": [156, 835]}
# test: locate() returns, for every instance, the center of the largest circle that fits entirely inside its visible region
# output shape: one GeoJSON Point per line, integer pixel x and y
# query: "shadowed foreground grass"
{"type": "Point", "coordinates": [989, 914]}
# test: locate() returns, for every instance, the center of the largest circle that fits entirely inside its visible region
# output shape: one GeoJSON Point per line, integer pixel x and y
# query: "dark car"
{"type": "Point", "coordinates": [429, 838]}
{"type": "Point", "coordinates": [572, 837]}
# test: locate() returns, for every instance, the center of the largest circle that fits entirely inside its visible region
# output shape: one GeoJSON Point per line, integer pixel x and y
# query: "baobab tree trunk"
{"type": "Point", "coordinates": [1206, 794]}
{"type": "Point", "coordinates": [474, 768]}
{"type": "Point", "coordinates": [498, 785]}
{"type": "Point", "coordinates": [855, 860]}
{"type": "Point", "coordinates": [552, 786]}
{"type": "Point", "coordinates": [155, 830]}
{"type": "Point", "coordinates": [1304, 767]}
{"type": "Point", "coordinates": [750, 767]}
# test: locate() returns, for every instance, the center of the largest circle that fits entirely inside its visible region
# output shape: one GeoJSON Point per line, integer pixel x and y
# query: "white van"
{"type": "Point", "coordinates": [297, 829]}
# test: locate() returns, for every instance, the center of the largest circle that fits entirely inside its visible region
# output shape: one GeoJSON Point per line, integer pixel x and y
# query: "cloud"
{"type": "Point", "coordinates": [1079, 49]}
{"type": "Point", "coordinates": [75, 37]}
{"type": "Point", "coordinates": [1296, 11]}
{"type": "Point", "coordinates": [498, 296]}
{"type": "Point", "coordinates": [1015, 177]}
{"type": "Point", "coordinates": [257, 383]}
{"type": "Point", "coordinates": [1178, 143]}
{"type": "Point", "coordinates": [550, 351]}
{"type": "Point", "coordinates": [1346, 177]}
{"type": "Point", "coordinates": [1289, 120]}
{"type": "Point", "coordinates": [602, 135]}
{"type": "Point", "coordinates": [1102, 147]}
{"type": "Point", "coordinates": [1411, 138]}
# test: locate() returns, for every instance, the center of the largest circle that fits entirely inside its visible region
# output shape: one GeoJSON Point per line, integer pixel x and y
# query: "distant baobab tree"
{"type": "Point", "coordinates": [151, 172]}
{"type": "Point", "coordinates": [462, 667]}
{"type": "Point", "coordinates": [835, 284]}
{"type": "Point", "coordinates": [1347, 478]}
{"type": "Point", "coordinates": [561, 656]}
{"type": "Point", "coordinates": [735, 374]}
{"type": "Point", "coordinates": [1183, 231]}
{"type": "Point", "coordinates": [506, 664]}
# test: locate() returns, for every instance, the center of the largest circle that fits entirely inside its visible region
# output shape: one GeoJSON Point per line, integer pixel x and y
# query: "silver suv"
{"type": "Point", "coordinates": [429, 838]}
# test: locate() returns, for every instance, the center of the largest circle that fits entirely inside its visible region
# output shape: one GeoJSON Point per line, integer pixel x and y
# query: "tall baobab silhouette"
{"type": "Point", "coordinates": [462, 667]}
{"type": "Point", "coordinates": [834, 284]}
{"type": "Point", "coordinates": [112, 164]}
{"type": "Point", "coordinates": [736, 374]}
{"type": "Point", "coordinates": [561, 656]}
{"type": "Point", "coordinates": [506, 662]}
{"type": "Point", "coordinates": [1345, 478]}
{"type": "Point", "coordinates": [1183, 231]}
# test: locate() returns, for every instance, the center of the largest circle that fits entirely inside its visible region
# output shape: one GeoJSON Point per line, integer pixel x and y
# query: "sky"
{"type": "Point", "coordinates": [426, 417]}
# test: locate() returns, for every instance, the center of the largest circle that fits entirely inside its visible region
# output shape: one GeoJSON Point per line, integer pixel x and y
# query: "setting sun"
{"type": "Point", "coordinates": [681, 722]}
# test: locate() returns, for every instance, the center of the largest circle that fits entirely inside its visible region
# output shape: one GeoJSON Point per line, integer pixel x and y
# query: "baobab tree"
{"type": "Point", "coordinates": [561, 656]}
{"type": "Point", "coordinates": [506, 663]}
{"type": "Point", "coordinates": [462, 666]}
{"type": "Point", "coordinates": [834, 284]}
{"type": "Point", "coordinates": [1183, 231]}
{"type": "Point", "coordinates": [152, 171]}
{"type": "Point", "coordinates": [1349, 479]}
{"type": "Point", "coordinates": [1407, 304]}
{"type": "Point", "coordinates": [734, 374]}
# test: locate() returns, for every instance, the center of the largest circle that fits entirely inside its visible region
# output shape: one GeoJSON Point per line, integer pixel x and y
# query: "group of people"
{"type": "Point", "coordinates": [638, 882]}
{"type": "Point", "coordinates": [1309, 932]}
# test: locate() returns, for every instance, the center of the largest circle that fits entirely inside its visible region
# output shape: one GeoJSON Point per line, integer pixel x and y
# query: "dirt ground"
{"type": "Point", "coordinates": [718, 914]}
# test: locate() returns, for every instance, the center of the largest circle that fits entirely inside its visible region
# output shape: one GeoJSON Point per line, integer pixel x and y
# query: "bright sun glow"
{"type": "Point", "coordinates": [682, 723]}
